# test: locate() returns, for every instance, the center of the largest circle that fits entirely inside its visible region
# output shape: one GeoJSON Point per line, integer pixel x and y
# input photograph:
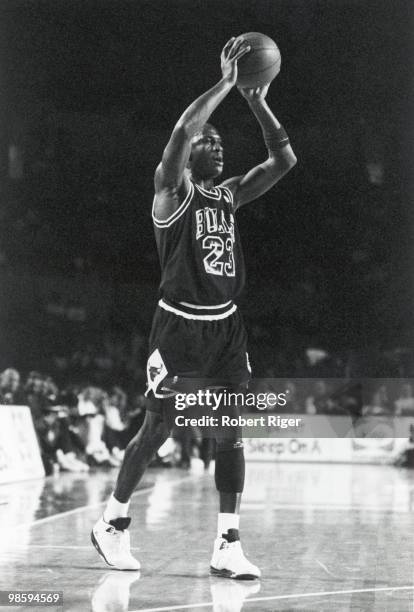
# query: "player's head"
{"type": "Point", "coordinates": [206, 159]}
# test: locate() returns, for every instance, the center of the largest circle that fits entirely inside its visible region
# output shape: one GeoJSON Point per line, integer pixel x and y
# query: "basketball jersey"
{"type": "Point", "coordinates": [199, 249]}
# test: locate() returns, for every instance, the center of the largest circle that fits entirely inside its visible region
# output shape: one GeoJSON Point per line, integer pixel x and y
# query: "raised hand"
{"type": "Point", "coordinates": [233, 50]}
{"type": "Point", "coordinates": [253, 94]}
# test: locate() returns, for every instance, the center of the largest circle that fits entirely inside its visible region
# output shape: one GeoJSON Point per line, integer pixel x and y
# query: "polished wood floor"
{"type": "Point", "coordinates": [327, 537]}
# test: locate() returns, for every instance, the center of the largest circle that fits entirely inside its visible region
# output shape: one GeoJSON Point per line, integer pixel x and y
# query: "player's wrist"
{"type": "Point", "coordinates": [276, 139]}
{"type": "Point", "coordinates": [227, 82]}
{"type": "Point", "coordinates": [256, 103]}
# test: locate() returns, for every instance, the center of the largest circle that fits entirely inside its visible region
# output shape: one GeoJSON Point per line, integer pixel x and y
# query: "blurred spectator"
{"type": "Point", "coordinates": [92, 404]}
{"type": "Point", "coordinates": [404, 404]}
{"type": "Point", "coordinates": [188, 438]}
{"type": "Point", "coordinates": [75, 423]}
{"type": "Point", "coordinates": [115, 426]}
{"type": "Point", "coordinates": [293, 403]}
{"type": "Point", "coordinates": [10, 391]}
{"type": "Point", "coordinates": [379, 404]}
{"type": "Point", "coordinates": [55, 441]}
{"type": "Point", "coordinates": [35, 396]}
{"type": "Point", "coordinates": [68, 401]}
{"type": "Point", "coordinates": [320, 400]}
{"type": "Point", "coordinates": [50, 390]}
{"type": "Point", "coordinates": [406, 458]}
{"type": "Point", "coordinates": [88, 401]}
{"type": "Point", "coordinates": [350, 399]}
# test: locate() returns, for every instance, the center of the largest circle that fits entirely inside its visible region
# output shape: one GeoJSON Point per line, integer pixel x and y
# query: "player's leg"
{"type": "Point", "coordinates": [228, 559]}
{"type": "Point", "coordinates": [226, 355]}
{"type": "Point", "coordinates": [110, 534]}
{"type": "Point", "coordinates": [138, 454]}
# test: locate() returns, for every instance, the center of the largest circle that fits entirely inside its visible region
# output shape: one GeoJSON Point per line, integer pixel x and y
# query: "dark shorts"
{"type": "Point", "coordinates": [191, 350]}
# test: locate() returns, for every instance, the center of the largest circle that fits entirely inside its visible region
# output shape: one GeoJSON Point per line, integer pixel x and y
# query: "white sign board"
{"type": "Point", "coordinates": [19, 450]}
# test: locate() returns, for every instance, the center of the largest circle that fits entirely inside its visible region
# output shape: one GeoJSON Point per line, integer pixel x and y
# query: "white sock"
{"type": "Point", "coordinates": [226, 521]}
{"type": "Point", "coordinates": [115, 509]}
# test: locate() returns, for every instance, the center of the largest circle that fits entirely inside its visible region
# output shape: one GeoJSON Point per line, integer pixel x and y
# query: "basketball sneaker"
{"type": "Point", "coordinates": [228, 560]}
{"type": "Point", "coordinates": [111, 540]}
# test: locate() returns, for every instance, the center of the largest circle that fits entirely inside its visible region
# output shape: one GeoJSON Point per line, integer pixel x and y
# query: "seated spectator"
{"type": "Point", "coordinates": [406, 457]}
{"type": "Point", "coordinates": [320, 400]}
{"type": "Point", "coordinates": [50, 390]}
{"type": "Point", "coordinates": [293, 403]}
{"type": "Point", "coordinates": [379, 404]}
{"type": "Point", "coordinates": [35, 392]}
{"type": "Point", "coordinates": [350, 399]}
{"type": "Point", "coordinates": [188, 438]}
{"type": "Point", "coordinates": [55, 442]}
{"type": "Point", "coordinates": [10, 391]}
{"type": "Point", "coordinates": [404, 404]}
{"type": "Point", "coordinates": [115, 425]}
{"type": "Point", "coordinates": [92, 401]}
{"type": "Point", "coordinates": [68, 400]}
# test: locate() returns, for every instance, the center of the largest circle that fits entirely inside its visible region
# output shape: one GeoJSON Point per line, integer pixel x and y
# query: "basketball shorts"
{"type": "Point", "coordinates": [196, 348]}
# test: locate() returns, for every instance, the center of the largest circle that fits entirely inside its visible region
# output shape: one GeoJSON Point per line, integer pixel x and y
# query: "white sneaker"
{"type": "Point", "coordinates": [111, 540]}
{"type": "Point", "coordinates": [228, 560]}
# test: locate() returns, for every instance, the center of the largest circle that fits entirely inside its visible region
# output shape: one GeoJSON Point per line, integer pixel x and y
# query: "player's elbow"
{"type": "Point", "coordinates": [287, 158]}
{"type": "Point", "coordinates": [293, 160]}
{"type": "Point", "coordinates": [290, 161]}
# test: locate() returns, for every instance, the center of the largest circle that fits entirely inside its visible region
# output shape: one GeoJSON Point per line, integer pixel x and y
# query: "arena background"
{"type": "Point", "coordinates": [90, 93]}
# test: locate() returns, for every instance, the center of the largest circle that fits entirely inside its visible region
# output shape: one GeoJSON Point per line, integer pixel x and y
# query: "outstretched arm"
{"type": "Point", "coordinates": [281, 157]}
{"type": "Point", "coordinates": [171, 183]}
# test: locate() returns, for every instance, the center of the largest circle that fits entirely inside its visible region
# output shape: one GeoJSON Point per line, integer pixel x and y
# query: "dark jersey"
{"type": "Point", "coordinates": [199, 249]}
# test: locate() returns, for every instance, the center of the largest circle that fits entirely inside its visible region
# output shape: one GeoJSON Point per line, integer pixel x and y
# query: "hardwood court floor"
{"type": "Point", "coordinates": [327, 537]}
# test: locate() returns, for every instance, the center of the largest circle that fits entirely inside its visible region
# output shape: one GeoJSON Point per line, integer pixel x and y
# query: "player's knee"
{"type": "Point", "coordinates": [155, 426]}
{"type": "Point", "coordinates": [230, 466]}
{"type": "Point", "coordinates": [227, 435]}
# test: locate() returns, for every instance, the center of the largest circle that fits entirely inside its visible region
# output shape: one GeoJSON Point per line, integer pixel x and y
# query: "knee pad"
{"type": "Point", "coordinates": [230, 466]}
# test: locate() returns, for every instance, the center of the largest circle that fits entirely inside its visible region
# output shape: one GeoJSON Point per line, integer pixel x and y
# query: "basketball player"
{"type": "Point", "coordinates": [197, 334]}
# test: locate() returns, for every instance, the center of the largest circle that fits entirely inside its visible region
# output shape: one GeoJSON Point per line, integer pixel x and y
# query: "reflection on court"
{"type": "Point", "coordinates": [327, 537]}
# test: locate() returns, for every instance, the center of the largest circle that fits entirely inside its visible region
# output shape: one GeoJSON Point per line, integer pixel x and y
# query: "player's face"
{"type": "Point", "coordinates": [206, 159]}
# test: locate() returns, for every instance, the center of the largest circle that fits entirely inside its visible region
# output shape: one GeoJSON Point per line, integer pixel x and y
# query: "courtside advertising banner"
{"type": "Point", "coordinates": [19, 451]}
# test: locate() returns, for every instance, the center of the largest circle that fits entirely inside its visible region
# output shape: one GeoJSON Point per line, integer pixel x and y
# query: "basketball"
{"type": "Point", "coordinates": [261, 64]}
